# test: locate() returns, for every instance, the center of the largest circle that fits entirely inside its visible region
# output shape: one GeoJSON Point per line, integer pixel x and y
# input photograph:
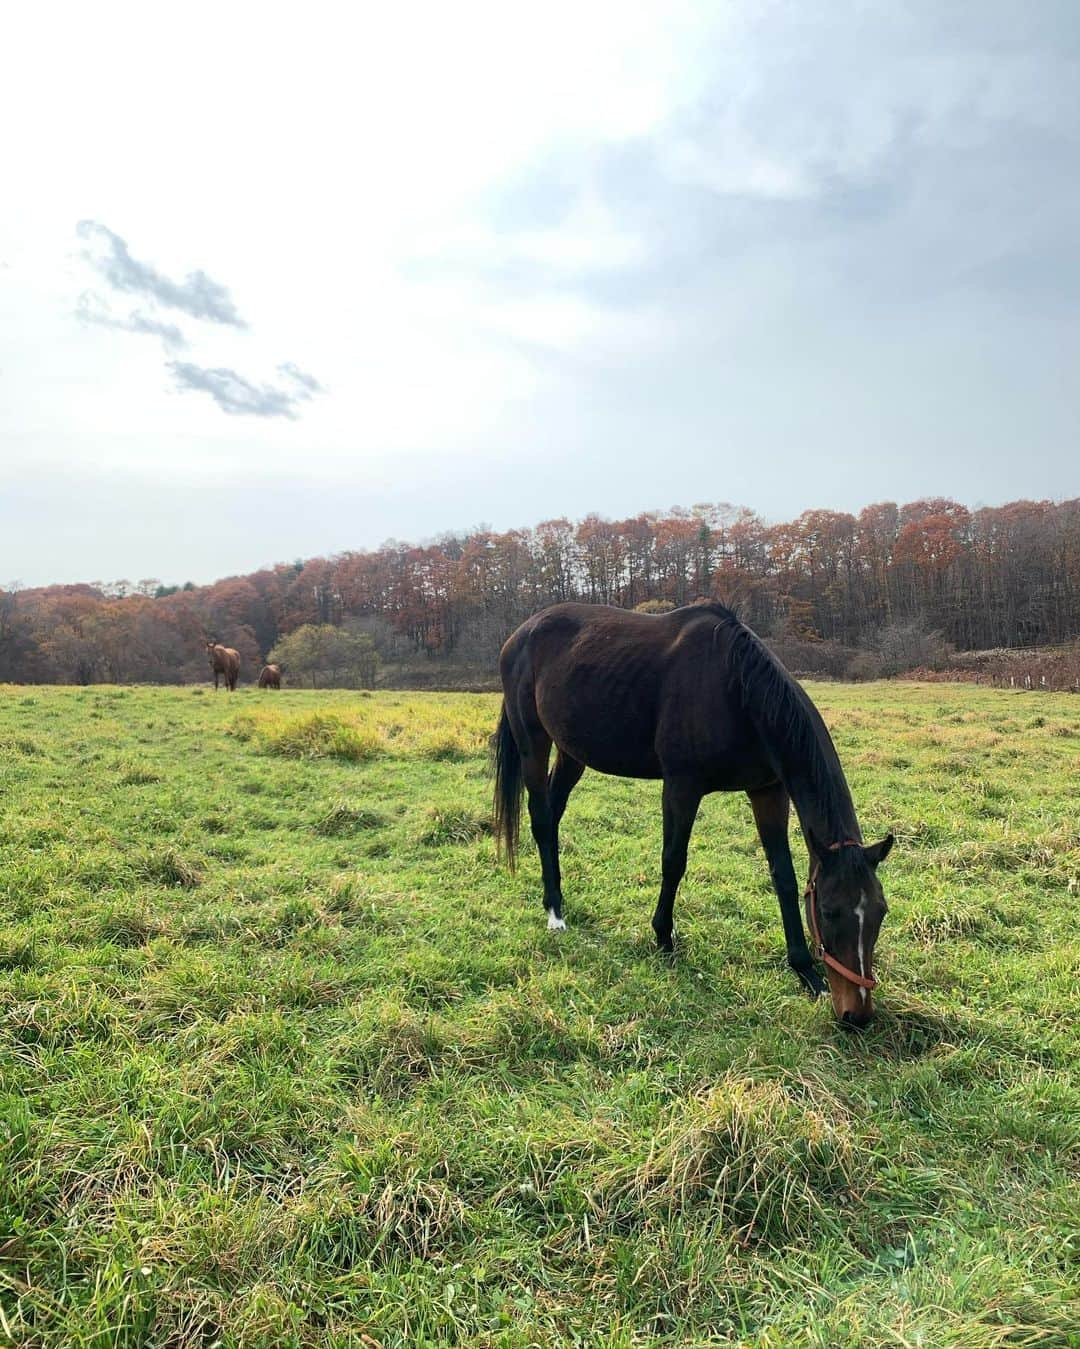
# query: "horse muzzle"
{"type": "Point", "coordinates": [854, 1006]}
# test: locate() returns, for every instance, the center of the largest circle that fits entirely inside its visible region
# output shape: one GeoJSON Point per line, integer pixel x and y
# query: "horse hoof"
{"type": "Point", "coordinates": [555, 923]}
{"type": "Point", "coordinates": [666, 943]}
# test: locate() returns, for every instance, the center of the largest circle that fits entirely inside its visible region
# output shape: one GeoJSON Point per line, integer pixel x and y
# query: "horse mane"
{"type": "Point", "coordinates": [785, 718]}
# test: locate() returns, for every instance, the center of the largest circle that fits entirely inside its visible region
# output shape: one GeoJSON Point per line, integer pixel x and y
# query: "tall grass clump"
{"type": "Point", "coordinates": [454, 824]}
{"type": "Point", "coordinates": [312, 735]}
{"type": "Point", "coordinates": [345, 818]}
{"type": "Point", "coordinates": [167, 866]}
{"type": "Point", "coordinates": [760, 1160]}
{"type": "Point", "coordinates": [378, 1216]}
{"type": "Point", "coordinates": [19, 744]}
{"type": "Point", "coordinates": [134, 774]}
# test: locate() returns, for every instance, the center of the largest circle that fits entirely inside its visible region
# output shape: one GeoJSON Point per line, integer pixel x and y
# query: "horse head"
{"type": "Point", "coordinates": [845, 907]}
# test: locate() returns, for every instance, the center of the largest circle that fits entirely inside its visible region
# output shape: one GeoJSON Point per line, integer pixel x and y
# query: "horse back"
{"type": "Point", "coordinates": [631, 694]}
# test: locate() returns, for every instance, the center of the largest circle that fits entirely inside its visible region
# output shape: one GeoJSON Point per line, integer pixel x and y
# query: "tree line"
{"type": "Point", "coordinates": [883, 579]}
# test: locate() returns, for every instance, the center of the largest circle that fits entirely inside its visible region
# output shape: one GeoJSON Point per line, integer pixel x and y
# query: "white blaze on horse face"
{"type": "Point", "coordinates": [555, 924]}
{"type": "Point", "coordinates": [860, 910]}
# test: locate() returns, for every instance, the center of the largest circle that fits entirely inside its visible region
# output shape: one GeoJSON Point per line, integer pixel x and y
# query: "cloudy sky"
{"type": "Point", "coordinates": [278, 281]}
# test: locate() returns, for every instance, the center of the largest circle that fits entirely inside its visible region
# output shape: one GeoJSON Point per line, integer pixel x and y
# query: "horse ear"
{"type": "Point", "coordinates": [876, 853]}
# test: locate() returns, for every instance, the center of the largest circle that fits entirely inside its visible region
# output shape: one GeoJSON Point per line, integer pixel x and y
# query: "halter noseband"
{"type": "Point", "coordinates": [819, 946]}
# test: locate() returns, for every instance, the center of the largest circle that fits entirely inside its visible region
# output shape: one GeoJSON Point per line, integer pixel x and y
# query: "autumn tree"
{"type": "Point", "coordinates": [1001, 576]}
{"type": "Point", "coordinates": [328, 655]}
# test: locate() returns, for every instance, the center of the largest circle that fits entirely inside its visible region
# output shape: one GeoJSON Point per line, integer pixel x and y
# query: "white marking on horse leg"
{"type": "Point", "coordinates": [555, 924]}
{"type": "Point", "coordinates": [860, 910]}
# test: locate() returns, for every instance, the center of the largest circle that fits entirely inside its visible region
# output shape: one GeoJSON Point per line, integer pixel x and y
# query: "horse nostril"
{"type": "Point", "coordinates": [855, 1021]}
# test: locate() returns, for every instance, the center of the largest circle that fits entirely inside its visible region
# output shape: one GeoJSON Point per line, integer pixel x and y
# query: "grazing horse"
{"type": "Point", "coordinates": [692, 697]}
{"type": "Point", "coordinates": [224, 661]}
{"type": "Point", "coordinates": [270, 678]}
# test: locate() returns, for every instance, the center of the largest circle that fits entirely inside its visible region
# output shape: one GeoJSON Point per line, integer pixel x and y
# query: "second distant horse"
{"type": "Point", "coordinates": [224, 661]}
{"type": "Point", "coordinates": [270, 677]}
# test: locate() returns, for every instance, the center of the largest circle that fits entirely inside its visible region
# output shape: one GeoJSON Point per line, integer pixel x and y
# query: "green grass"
{"type": "Point", "coordinates": [285, 1058]}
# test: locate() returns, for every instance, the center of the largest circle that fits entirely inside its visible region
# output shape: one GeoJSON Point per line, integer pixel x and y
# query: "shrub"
{"type": "Point", "coordinates": [903, 646]}
{"type": "Point", "coordinates": [803, 657]}
{"type": "Point", "coordinates": [864, 665]}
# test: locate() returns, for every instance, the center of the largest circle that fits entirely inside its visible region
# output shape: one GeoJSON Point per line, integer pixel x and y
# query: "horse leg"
{"type": "Point", "coordinates": [680, 804]}
{"type": "Point", "coordinates": [563, 779]}
{"type": "Point", "coordinates": [771, 808]}
{"type": "Point", "coordinates": [565, 776]}
{"type": "Point", "coordinates": [534, 773]}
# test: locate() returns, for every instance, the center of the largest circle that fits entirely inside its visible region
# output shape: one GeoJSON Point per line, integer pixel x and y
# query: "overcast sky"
{"type": "Point", "coordinates": [282, 280]}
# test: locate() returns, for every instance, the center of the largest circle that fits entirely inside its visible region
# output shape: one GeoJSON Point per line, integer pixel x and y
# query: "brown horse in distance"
{"type": "Point", "coordinates": [224, 661]}
{"type": "Point", "coordinates": [270, 678]}
{"type": "Point", "coordinates": [694, 698]}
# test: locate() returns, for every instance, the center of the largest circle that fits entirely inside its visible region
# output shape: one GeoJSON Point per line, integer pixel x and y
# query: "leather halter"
{"type": "Point", "coordinates": [819, 946]}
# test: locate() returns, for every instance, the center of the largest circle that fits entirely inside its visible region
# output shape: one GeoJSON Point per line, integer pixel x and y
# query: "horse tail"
{"type": "Point", "coordinates": [509, 788]}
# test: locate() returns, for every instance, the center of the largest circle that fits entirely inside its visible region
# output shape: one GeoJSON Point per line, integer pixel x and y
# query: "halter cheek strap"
{"type": "Point", "coordinates": [819, 946]}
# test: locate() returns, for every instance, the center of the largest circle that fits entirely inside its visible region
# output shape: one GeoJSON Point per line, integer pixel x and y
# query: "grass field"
{"type": "Point", "coordinates": [285, 1058]}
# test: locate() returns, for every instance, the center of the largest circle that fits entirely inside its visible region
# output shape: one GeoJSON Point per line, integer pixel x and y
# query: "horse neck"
{"type": "Point", "coordinates": [794, 737]}
{"type": "Point", "coordinates": [820, 794]}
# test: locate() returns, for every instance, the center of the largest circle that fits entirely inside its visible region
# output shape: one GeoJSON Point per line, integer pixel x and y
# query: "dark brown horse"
{"type": "Point", "coordinates": [224, 661]}
{"type": "Point", "coordinates": [270, 678]}
{"type": "Point", "coordinates": [694, 698]}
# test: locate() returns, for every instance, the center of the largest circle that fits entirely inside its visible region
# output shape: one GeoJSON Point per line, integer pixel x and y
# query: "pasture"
{"type": "Point", "coordinates": [285, 1058]}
